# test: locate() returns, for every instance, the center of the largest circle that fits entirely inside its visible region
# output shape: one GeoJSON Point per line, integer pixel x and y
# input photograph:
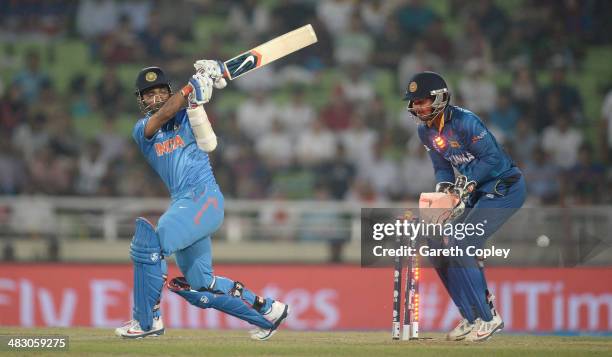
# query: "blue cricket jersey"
{"type": "Point", "coordinates": [174, 154]}
{"type": "Point", "coordinates": [463, 142]}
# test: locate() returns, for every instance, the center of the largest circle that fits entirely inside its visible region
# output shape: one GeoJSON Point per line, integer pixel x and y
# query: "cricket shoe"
{"type": "Point", "coordinates": [132, 329]}
{"type": "Point", "coordinates": [483, 330]}
{"type": "Point", "coordinates": [460, 331]}
{"type": "Point", "coordinates": [276, 315]}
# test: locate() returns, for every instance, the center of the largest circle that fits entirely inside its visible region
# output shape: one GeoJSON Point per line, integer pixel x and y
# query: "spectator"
{"type": "Point", "coordinates": [111, 142]}
{"type": "Point", "coordinates": [12, 109]}
{"type": "Point", "coordinates": [12, 171]}
{"type": "Point", "coordinates": [569, 98]}
{"type": "Point", "coordinates": [391, 45]}
{"type": "Point", "coordinates": [9, 61]}
{"type": "Point", "coordinates": [80, 101]}
{"type": "Point", "coordinates": [359, 141]}
{"type": "Point", "coordinates": [544, 177]}
{"type": "Point", "coordinates": [275, 147]}
{"type": "Point", "coordinates": [298, 114]}
{"type": "Point", "coordinates": [63, 139]}
{"type": "Point", "coordinates": [375, 114]}
{"type": "Point", "coordinates": [382, 173]}
{"type": "Point", "coordinates": [524, 88]}
{"type": "Point", "coordinates": [416, 170]}
{"type": "Point", "coordinates": [138, 11]}
{"type": "Point", "coordinates": [122, 44]}
{"type": "Point", "coordinates": [151, 36]}
{"type": "Point", "coordinates": [31, 136]}
{"type": "Point", "coordinates": [50, 100]}
{"type": "Point", "coordinates": [472, 44]}
{"type": "Point", "coordinates": [250, 20]}
{"type": "Point", "coordinates": [362, 192]}
{"type": "Point", "coordinates": [96, 18]}
{"type": "Point", "coordinates": [255, 115]}
{"type": "Point", "coordinates": [586, 180]}
{"type": "Point", "coordinates": [336, 115]}
{"type": "Point", "coordinates": [492, 20]}
{"type": "Point", "coordinates": [338, 174]}
{"type": "Point", "coordinates": [505, 114]}
{"type": "Point", "coordinates": [50, 174]}
{"type": "Point", "coordinates": [356, 87]}
{"type": "Point", "coordinates": [420, 59]}
{"type": "Point", "coordinates": [438, 42]}
{"type": "Point", "coordinates": [31, 78]}
{"type": "Point", "coordinates": [251, 176]}
{"type": "Point", "coordinates": [171, 58]}
{"type": "Point", "coordinates": [477, 91]}
{"type": "Point", "coordinates": [548, 110]}
{"type": "Point", "coordinates": [336, 15]}
{"type": "Point", "coordinates": [121, 168]}
{"type": "Point", "coordinates": [354, 46]}
{"type": "Point", "coordinates": [375, 14]}
{"type": "Point", "coordinates": [562, 142]}
{"type": "Point", "coordinates": [91, 170]}
{"type": "Point", "coordinates": [606, 126]}
{"type": "Point", "coordinates": [109, 93]}
{"type": "Point", "coordinates": [414, 17]}
{"type": "Point", "coordinates": [315, 145]}
{"type": "Point", "coordinates": [525, 140]}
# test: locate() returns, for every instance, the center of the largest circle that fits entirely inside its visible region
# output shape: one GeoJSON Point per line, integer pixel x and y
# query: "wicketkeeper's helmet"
{"type": "Point", "coordinates": [428, 85]}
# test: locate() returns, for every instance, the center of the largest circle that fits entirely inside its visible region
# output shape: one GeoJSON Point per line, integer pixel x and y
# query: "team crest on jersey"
{"type": "Point", "coordinates": [439, 142]}
{"type": "Point", "coordinates": [454, 144]}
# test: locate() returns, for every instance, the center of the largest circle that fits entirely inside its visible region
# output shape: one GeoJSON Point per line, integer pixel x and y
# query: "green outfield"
{"type": "Point", "coordinates": [100, 342]}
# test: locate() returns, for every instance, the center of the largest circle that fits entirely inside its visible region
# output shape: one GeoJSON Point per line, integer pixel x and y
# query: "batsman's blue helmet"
{"type": "Point", "coordinates": [150, 77]}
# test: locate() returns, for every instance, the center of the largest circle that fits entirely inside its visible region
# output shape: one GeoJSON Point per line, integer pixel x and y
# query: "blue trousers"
{"type": "Point", "coordinates": [462, 275]}
{"type": "Point", "coordinates": [185, 230]}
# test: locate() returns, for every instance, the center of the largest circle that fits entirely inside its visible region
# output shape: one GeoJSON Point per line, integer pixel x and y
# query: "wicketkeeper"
{"type": "Point", "coordinates": [490, 186]}
{"type": "Point", "coordinates": [175, 141]}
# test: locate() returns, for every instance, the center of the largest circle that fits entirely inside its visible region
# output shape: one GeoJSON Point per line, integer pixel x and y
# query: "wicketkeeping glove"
{"type": "Point", "coordinates": [463, 188]}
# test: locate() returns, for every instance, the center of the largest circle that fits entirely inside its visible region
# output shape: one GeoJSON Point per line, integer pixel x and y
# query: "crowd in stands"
{"type": "Point", "coordinates": [355, 145]}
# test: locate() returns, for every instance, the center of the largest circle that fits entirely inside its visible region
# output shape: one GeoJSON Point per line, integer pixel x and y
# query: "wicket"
{"type": "Point", "coordinates": [410, 328]}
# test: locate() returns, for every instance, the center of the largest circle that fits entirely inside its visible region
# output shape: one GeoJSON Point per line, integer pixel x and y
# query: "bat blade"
{"type": "Point", "coordinates": [270, 51]}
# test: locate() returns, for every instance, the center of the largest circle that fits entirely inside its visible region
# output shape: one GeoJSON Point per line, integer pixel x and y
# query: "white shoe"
{"type": "Point", "coordinates": [277, 314]}
{"type": "Point", "coordinates": [485, 329]}
{"type": "Point", "coordinates": [460, 331]}
{"type": "Point", "coordinates": [131, 329]}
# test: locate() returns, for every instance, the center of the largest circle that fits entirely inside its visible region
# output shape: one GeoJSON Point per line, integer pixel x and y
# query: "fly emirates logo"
{"type": "Point", "coordinates": [168, 146]}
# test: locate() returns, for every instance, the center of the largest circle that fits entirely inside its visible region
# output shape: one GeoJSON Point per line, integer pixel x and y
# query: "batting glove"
{"type": "Point", "coordinates": [201, 89]}
{"type": "Point", "coordinates": [213, 69]}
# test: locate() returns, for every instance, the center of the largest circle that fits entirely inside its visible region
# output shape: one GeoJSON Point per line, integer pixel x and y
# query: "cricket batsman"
{"type": "Point", "coordinates": [489, 186]}
{"type": "Point", "coordinates": [175, 137]}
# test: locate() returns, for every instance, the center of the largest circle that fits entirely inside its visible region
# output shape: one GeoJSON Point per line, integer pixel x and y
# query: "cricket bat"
{"type": "Point", "coordinates": [269, 52]}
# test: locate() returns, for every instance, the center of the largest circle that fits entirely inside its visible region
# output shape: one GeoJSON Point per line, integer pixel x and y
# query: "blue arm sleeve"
{"type": "Point", "coordinates": [443, 169]}
{"type": "Point", "coordinates": [483, 147]}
